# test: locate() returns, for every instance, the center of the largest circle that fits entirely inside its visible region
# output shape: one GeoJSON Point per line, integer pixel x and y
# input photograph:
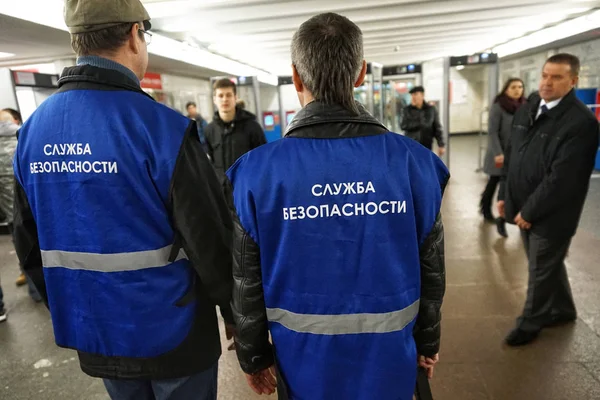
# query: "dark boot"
{"type": "Point", "coordinates": [501, 225]}
{"type": "Point", "coordinates": [487, 197]}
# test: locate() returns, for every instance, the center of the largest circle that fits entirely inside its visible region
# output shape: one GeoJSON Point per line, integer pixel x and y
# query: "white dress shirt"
{"type": "Point", "coordinates": [550, 106]}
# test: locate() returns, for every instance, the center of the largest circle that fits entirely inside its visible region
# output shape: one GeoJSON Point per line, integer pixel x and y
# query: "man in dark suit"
{"type": "Point", "coordinates": [547, 170]}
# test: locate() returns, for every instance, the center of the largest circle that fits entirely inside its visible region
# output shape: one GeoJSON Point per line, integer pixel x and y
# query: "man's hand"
{"type": "Point", "coordinates": [524, 225]}
{"type": "Point", "coordinates": [499, 161]}
{"type": "Point", "coordinates": [263, 382]}
{"type": "Point", "coordinates": [229, 334]}
{"type": "Point", "coordinates": [428, 363]}
{"type": "Point", "coordinates": [441, 151]}
{"type": "Point", "coordinates": [501, 211]}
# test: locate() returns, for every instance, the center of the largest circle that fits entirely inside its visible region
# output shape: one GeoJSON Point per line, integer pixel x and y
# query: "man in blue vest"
{"type": "Point", "coordinates": [338, 240]}
{"type": "Point", "coordinates": [120, 219]}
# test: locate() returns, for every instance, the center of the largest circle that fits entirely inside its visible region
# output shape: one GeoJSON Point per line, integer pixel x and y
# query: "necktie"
{"type": "Point", "coordinates": [544, 109]}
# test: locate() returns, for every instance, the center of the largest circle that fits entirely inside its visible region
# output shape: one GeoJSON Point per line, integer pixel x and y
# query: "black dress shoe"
{"type": "Point", "coordinates": [518, 337]}
{"type": "Point", "coordinates": [501, 226]}
{"type": "Point", "coordinates": [560, 320]}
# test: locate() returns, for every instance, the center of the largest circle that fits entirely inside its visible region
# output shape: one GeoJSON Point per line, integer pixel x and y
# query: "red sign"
{"type": "Point", "coordinates": [152, 81]}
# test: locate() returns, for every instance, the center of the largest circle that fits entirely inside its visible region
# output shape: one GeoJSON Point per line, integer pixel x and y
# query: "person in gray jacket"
{"type": "Point", "coordinates": [499, 127]}
{"type": "Point", "coordinates": [8, 144]}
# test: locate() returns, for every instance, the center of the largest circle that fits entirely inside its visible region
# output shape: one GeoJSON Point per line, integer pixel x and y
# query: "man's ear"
{"type": "Point", "coordinates": [362, 75]}
{"type": "Point", "coordinates": [297, 80]}
{"type": "Point", "coordinates": [135, 42]}
{"type": "Point", "coordinates": [575, 81]}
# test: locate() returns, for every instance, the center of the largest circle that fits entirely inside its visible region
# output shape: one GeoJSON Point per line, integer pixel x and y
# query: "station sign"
{"type": "Point", "coordinates": [35, 79]}
{"type": "Point", "coordinates": [152, 81]}
{"type": "Point", "coordinates": [474, 59]}
{"type": "Point", "coordinates": [284, 80]}
{"type": "Point", "coordinates": [402, 69]}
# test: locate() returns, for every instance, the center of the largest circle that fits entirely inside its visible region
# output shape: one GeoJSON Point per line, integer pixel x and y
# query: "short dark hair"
{"type": "Point", "coordinates": [566, 58]}
{"type": "Point", "coordinates": [417, 89]}
{"type": "Point", "coordinates": [14, 114]}
{"type": "Point", "coordinates": [189, 104]}
{"type": "Point", "coordinates": [104, 40]}
{"type": "Point", "coordinates": [224, 83]}
{"type": "Point", "coordinates": [327, 51]}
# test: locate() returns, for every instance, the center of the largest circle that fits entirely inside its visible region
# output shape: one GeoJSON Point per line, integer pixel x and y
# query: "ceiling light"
{"type": "Point", "coordinates": [6, 55]}
{"type": "Point", "coordinates": [563, 30]}
{"type": "Point", "coordinates": [50, 13]}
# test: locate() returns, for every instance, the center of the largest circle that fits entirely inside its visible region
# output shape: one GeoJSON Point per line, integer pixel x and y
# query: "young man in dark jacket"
{"type": "Point", "coordinates": [120, 220]}
{"type": "Point", "coordinates": [421, 121]}
{"type": "Point", "coordinates": [233, 132]}
{"type": "Point", "coordinates": [338, 239]}
{"type": "Point", "coordinates": [547, 169]}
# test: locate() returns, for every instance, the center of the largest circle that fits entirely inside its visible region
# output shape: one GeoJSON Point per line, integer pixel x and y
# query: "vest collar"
{"type": "Point", "coordinates": [316, 113]}
{"type": "Point", "coordinates": [82, 74]}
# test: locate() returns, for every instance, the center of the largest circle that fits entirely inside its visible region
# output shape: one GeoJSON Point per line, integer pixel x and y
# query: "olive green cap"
{"type": "Point", "coordinates": [93, 15]}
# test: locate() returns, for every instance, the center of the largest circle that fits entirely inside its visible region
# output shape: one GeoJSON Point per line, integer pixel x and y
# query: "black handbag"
{"type": "Point", "coordinates": [423, 391]}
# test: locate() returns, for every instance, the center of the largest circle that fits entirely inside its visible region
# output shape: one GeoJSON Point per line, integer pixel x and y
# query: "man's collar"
{"type": "Point", "coordinates": [86, 75]}
{"type": "Point", "coordinates": [551, 104]}
{"type": "Point", "coordinates": [317, 112]}
{"type": "Point", "coordinates": [101, 62]}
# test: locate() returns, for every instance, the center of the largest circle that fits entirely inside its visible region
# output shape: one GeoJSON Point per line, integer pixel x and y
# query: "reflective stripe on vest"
{"type": "Point", "coordinates": [118, 262]}
{"type": "Point", "coordinates": [345, 324]}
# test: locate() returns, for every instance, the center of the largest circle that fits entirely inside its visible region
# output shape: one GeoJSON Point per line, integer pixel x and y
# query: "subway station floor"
{"type": "Point", "coordinates": [486, 278]}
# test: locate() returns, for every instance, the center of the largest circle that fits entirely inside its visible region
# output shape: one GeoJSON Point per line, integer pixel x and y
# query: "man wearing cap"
{"type": "Point", "coordinates": [120, 220]}
{"type": "Point", "coordinates": [421, 121]}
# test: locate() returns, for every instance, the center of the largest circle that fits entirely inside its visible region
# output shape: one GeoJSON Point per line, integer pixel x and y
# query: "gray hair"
{"type": "Point", "coordinates": [327, 51]}
{"type": "Point", "coordinates": [106, 40]}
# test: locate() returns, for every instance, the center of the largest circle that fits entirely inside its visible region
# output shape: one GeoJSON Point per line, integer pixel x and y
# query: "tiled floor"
{"type": "Point", "coordinates": [486, 288]}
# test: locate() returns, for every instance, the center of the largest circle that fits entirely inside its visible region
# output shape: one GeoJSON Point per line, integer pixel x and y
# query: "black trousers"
{"type": "Point", "coordinates": [548, 290]}
{"type": "Point", "coordinates": [488, 195]}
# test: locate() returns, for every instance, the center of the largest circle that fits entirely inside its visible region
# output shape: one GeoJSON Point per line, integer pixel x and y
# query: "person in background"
{"type": "Point", "coordinates": [338, 239]}
{"type": "Point", "coordinates": [421, 121]}
{"type": "Point", "coordinates": [10, 122]}
{"type": "Point", "coordinates": [233, 132]}
{"type": "Point", "coordinates": [500, 120]}
{"type": "Point", "coordinates": [547, 168]}
{"type": "Point", "coordinates": [241, 104]}
{"type": "Point", "coordinates": [201, 123]}
{"type": "Point", "coordinates": [120, 220]}
{"type": "Point", "coordinates": [8, 144]}
{"type": "Point", "coordinates": [14, 115]}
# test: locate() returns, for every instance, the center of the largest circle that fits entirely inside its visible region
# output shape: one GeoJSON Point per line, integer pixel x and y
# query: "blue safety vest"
{"type": "Point", "coordinates": [339, 223]}
{"type": "Point", "coordinates": [96, 166]}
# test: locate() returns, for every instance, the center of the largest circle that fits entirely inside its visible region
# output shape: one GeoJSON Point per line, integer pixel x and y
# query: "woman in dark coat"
{"type": "Point", "coordinates": [499, 129]}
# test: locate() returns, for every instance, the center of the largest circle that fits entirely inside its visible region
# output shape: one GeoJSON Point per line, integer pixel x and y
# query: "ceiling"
{"type": "Point", "coordinates": [258, 32]}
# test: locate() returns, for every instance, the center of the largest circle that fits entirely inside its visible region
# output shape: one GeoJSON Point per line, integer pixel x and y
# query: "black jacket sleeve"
{"type": "Point", "coordinates": [253, 348]}
{"type": "Point", "coordinates": [504, 173]}
{"type": "Point", "coordinates": [258, 136]}
{"type": "Point", "coordinates": [208, 136]}
{"type": "Point", "coordinates": [569, 171]}
{"type": "Point", "coordinates": [433, 286]}
{"type": "Point", "coordinates": [438, 132]}
{"type": "Point", "coordinates": [27, 244]}
{"type": "Point", "coordinates": [409, 122]}
{"type": "Point", "coordinates": [202, 220]}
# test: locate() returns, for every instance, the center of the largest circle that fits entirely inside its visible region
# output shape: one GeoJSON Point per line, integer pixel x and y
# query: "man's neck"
{"type": "Point", "coordinates": [103, 61]}
{"type": "Point", "coordinates": [227, 117]}
{"type": "Point", "coordinates": [419, 106]}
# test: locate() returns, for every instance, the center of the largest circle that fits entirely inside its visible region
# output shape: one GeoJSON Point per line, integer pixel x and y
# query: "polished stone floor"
{"type": "Point", "coordinates": [486, 287]}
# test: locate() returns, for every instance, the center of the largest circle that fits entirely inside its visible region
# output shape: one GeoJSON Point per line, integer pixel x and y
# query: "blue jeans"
{"type": "Point", "coordinates": [202, 386]}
